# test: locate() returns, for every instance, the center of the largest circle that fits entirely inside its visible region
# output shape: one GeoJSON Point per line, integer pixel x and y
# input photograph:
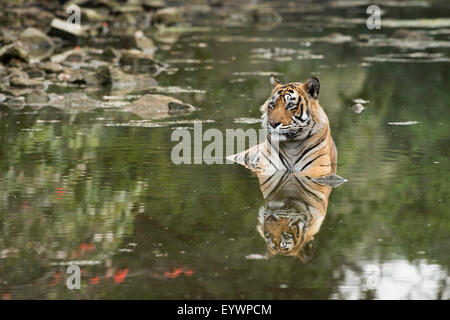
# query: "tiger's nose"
{"type": "Point", "coordinates": [274, 124]}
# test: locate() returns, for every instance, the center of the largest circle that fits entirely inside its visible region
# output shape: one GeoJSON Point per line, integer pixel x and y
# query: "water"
{"type": "Point", "coordinates": [77, 188]}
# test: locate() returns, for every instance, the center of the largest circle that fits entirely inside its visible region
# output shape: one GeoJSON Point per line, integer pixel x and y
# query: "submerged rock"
{"type": "Point", "coordinates": [145, 61]}
{"type": "Point", "coordinates": [412, 35]}
{"type": "Point", "coordinates": [75, 101]}
{"type": "Point", "coordinates": [36, 97]}
{"type": "Point", "coordinates": [16, 102]}
{"type": "Point", "coordinates": [157, 106]}
{"type": "Point", "coordinates": [109, 76]}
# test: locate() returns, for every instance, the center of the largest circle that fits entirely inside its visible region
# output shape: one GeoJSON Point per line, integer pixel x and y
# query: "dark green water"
{"type": "Point", "coordinates": [77, 188]}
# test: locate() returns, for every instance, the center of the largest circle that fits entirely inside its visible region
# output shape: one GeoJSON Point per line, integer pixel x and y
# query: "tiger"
{"type": "Point", "coordinates": [295, 207]}
{"type": "Point", "coordinates": [298, 132]}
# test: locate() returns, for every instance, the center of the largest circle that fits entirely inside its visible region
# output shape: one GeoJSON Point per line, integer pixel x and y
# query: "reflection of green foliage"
{"type": "Point", "coordinates": [121, 180]}
{"type": "Point", "coordinates": [51, 203]}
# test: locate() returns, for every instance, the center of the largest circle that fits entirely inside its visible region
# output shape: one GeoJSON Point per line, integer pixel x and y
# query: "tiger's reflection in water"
{"type": "Point", "coordinates": [295, 207]}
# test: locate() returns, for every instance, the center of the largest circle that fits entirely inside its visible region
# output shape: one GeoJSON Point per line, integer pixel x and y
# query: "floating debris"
{"type": "Point", "coordinates": [282, 54]}
{"type": "Point", "coordinates": [247, 120]}
{"type": "Point", "coordinates": [136, 124]}
{"type": "Point", "coordinates": [332, 180]}
{"type": "Point", "coordinates": [361, 101]}
{"type": "Point", "coordinates": [175, 89]}
{"type": "Point", "coordinates": [256, 73]}
{"type": "Point", "coordinates": [418, 57]}
{"type": "Point", "coordinates": [405, 123]}
{"type": "Point", "coordinates": [357, 108]}
{"type": "Point", "coordinates": [256, 256]}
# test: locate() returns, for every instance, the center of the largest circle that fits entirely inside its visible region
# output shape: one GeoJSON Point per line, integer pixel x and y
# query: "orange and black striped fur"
{"type": "Point", "coordinates": [295, 207]}
{"type": "Point", "coordinates": [298, 133]}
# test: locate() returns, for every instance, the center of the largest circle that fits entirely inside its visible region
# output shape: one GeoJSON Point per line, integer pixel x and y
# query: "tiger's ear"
{"type": "Point", "coordinates": [274, 81]}
{"type": "Point", "coordinates": [312, 86]}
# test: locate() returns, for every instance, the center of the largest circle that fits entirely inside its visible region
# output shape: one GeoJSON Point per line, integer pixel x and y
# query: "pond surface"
{"type": "Point", "coordinates": [98, 188]}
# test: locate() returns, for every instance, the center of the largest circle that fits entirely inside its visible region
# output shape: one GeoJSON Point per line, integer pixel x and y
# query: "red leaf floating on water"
{"type": "Point", "coordinates": [56, 279]}
{"type": "Point", "coordinates": [120, 275]}
{"type": "Point", "coordinates": [87, 246]}
{"type": "Point", "coordinates": [177, 272]}
{"type": "Point", "coordinates": [94, 280]}
{"type": "Point", "coordinates": [189, 273]}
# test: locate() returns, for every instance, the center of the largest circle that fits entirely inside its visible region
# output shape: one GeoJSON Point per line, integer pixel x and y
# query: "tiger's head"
{"type": "Point", "coordinates": [291, 109]}
{"type": "Point", "coordinates": [294, 208]}
{"type": "Point", "coordinates": [286, 235]}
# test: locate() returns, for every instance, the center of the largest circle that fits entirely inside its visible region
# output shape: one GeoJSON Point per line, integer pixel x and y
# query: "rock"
{"type": "Point", "coordinates": [95, 15]}
{"type": "Point", "coordinates": [36, 97]}
{"type": "Point", "coordinates": [77, 101]}
{"type": "Point", "coordinates": [168, 16]}
{"type": "Point", "coordinates": [16, 102]}
{"type": "Point", "coordinates": [157, 106]}
{"type": "Point", "coordinates": [9, 35]}
{"type": "Point", "coordinates": [357, 108]}
{"type": "Point", "coordinates": [35, 73]}
{"type": "Point", "coordinates": [10, 52]}
{"type": "Point", "coordinates": [2, 97]}
{"type": "Point", "coordinates": [66, 30]}
{"type": "Point", "coordinates": [109, 76]}
{"type": "Point", "coordinates": [14, 91]}
{"type": "Point", "coordinates": [167, 36]}
{"type": "Point", "coordinates": [125, 19]}
{"type": "Point", "coordinates": [34, 45]}
{"type": "Point", "coordinates": [69, 57]}
{"type": "Point", "coordinates": [145, 62]}
{"type": "Point", "coordinates": [153, 4]}
{"type": "Point", "coordinates": [17, 73]}
{"type": "Point", "coordinates": [112, 55]}
{"type": "Point", "coordinates": [50, 67]}
{"type": "Point", "coordinates": [28, 83]}
{"type": "Point", "coordinates": [73, 76]}
{"type": "Point", "coordinates": [145, 44]}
